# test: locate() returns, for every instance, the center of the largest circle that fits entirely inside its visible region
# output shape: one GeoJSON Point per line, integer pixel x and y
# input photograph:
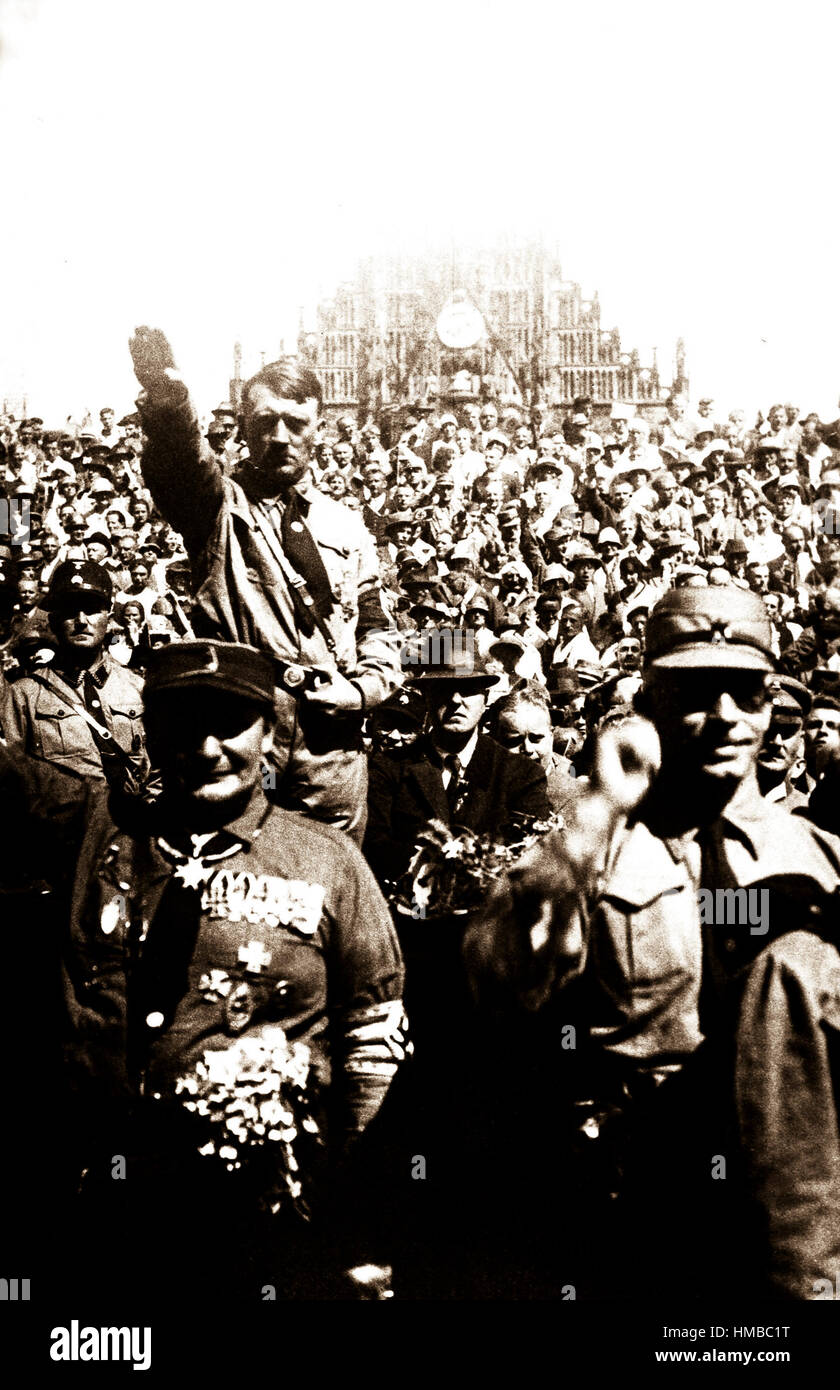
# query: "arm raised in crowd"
{"type": "Point", "coordinates": [530, 939]}
{"type": "Point", "coordinates": [179, 470]}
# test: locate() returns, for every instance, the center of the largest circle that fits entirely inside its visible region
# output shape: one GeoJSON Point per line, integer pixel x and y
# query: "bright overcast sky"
{"type": "Point", "coordinates": [210, 166]}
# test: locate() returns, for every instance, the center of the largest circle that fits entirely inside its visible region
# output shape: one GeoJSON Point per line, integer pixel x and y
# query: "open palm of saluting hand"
{"type": "Point", "coordinates": [154, 362]}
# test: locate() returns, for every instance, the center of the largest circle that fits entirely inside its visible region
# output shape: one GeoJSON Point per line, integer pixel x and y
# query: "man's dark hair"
{"type": "Point", "coordinates": [287, 378]}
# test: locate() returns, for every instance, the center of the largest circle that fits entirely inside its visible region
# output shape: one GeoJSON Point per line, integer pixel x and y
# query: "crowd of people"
{"type": "Point", "coordinates": [547, 537]}
{"type": "Point", "coordinates": [444, 622]}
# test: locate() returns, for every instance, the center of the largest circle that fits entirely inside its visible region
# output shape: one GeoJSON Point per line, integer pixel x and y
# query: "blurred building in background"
{"type": "Point", "coordinates": [457, 326]}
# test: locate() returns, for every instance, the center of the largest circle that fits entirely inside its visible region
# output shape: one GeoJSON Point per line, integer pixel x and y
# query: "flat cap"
{"type": "Point", "coordinates": [709, 627]}
{"type": "Point", "coordinates": [75, 577]}
{"type": "Point", "coordinates": [226, 666]}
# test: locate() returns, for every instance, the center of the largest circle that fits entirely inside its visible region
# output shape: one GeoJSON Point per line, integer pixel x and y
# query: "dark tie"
{"type": "Point", "coordinates": [91, 697]}
{"type": "Point", "coordinates": [160, 975]}
{"type": "Point", "coordinates": [715, 873]}
{"type": "Point", "coordinates": [304, 555]}
{"type": "Point", "coordinates": [456, 786]}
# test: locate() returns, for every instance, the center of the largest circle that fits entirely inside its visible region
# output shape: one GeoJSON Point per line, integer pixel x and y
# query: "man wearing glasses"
{"type": "Point", "coordinates": [710, 986]}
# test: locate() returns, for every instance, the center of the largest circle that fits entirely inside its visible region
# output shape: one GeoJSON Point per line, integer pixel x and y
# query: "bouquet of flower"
{"type": "Point", "coordinates": [254, 1096]}
{"type": "Point", "coordinates": [452, 868]}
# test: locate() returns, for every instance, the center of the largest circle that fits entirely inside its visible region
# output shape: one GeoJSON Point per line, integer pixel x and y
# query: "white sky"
{"type": "Point", "coordinates": [210, 166]}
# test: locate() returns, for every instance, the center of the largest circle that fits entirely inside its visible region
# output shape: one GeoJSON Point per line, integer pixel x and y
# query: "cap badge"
{"type": "Point", "coordinates": [211, 662]}
{"type": "Point", "coordinates": [721, 633]}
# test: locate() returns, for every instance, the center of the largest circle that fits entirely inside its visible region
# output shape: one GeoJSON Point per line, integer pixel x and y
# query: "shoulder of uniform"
{"type": "Point", "coordinates": [28, 680]}
{"type": "Point", "coordinates": [14, 678]}
{"type": "Point", "coordinates": [795, 834]}
{"type": "Point", "coordinates": [305, 833]}
{"type": "Point", "coordinates": [807, 958]}
{"type": "Point", "coordinates": [115, 668]}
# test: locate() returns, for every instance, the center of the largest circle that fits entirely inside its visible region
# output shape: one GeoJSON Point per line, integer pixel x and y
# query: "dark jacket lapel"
{"type": "Point", "coordinates": [428, 781]}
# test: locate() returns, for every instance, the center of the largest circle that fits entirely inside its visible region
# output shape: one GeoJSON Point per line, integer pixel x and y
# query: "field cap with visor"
{"type": "Point", "coordinates": [224, 666]}
{"type": "Point", "coordinates": [708, 628]}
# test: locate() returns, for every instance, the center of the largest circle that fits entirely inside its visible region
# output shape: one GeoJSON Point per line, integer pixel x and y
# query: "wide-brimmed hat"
{"type": "Point", "coordinates": [453, 660]}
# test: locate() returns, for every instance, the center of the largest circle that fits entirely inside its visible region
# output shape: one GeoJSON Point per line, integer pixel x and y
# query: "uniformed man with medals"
{"type": "Point", "coordinates": [232, 987]}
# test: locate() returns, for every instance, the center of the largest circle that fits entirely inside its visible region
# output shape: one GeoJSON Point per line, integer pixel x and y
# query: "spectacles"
{"type": "Point", "coordinates": [701, 690]}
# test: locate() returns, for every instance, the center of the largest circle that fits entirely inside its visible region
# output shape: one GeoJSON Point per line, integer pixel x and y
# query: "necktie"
{"type": "Point", "coordinates": [452, 763]}
{"type": "Point", "coordinates": [91, 697]}
{"type": "Point", "coordinates": [160, 975]}
{"type": "Point", "coordinates": [304, 555]}
{"type": "Point", "coordinates": [715, 873]}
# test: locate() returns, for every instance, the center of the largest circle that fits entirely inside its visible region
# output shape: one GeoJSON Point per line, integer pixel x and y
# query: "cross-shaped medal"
{"type": "Point", "coordinates": [192, 873]}
{"type": "Point", "coordinates": [254, 957]}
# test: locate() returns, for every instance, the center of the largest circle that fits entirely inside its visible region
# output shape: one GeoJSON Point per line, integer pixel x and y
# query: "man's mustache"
{"type": "Point", "coordinates": [278, 455]}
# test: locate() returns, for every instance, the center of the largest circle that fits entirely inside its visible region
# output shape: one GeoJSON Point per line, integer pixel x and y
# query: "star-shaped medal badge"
{"type": "Point", "coordinates": [193, 874]}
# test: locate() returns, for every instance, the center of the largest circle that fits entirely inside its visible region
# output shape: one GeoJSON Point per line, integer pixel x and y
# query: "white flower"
{"type": "Point", "coordinates": [227, 1151]}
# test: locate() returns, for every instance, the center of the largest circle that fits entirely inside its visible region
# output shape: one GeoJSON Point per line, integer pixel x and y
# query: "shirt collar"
{"type": "Point", "coordinates": [245, 828]}
{"type": "Point", "coordinates": [464, 755]}
{"type": "Point", "coordinates": [304, 491]}
{"type": "Point", "coordinates": [745, 818]}
{"type": "Point", "coordinates": [98, 673]}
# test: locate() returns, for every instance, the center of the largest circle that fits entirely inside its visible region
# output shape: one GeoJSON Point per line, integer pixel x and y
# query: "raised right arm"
{"type": "Point", "coordinates": [179, 470]}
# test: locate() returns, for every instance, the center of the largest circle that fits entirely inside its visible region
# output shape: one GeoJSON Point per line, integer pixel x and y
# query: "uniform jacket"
{"type": "Point", "coordinates": [241, 594]}
{"type": "Point", "coordinates": [38, 713]}
{"type": "Point", "coordinates": [645, 939]}
{"type": "Point", "coordinates": [406, 793]}
{"type": "Point", "coordinates": [787, 1092]}
{"type": "Point", "coordinates": [283, 925]}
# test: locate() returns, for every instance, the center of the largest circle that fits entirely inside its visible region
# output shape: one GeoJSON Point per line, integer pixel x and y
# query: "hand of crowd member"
{"type": "Point", "coordinates": [337, 693]}
{"type": "Point", "coordinates": [154, 363]}
{"type": "Point", "coordinates": [528, 940]}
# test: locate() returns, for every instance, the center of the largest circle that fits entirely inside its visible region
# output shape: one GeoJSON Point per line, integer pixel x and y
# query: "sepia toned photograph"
{"type": "Point", "coordinates": [420, 682]}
